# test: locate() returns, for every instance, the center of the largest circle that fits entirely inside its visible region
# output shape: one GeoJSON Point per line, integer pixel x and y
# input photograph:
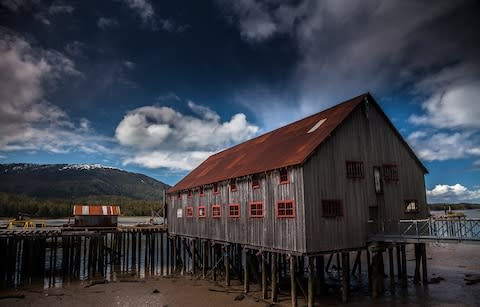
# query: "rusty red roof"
{"type": "Point", "coordinates": [286, 146]}
{"type": "Point", "coordinates": [96, 210]}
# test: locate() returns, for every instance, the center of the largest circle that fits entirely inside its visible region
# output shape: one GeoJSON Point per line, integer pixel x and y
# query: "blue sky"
{"type": "Point", "coordinates": [156, 87]}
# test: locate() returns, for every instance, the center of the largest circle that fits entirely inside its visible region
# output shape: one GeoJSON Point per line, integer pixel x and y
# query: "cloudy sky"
{"type": "Point", "coordinates": [156, 87]}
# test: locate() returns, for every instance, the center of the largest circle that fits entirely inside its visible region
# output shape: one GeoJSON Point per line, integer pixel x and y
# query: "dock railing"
{"type": "Point", "coordinates": [432, 229]}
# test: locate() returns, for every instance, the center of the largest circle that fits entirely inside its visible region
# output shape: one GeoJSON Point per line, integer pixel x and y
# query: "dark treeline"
{"type": "Point", "coordinates": [459, 206]}
{"type": "Point", "coordinates": [11, 205]}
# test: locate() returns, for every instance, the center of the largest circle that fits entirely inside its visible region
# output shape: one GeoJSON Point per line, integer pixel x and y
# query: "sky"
{"type": "Point", "coordinates": [157, 86]}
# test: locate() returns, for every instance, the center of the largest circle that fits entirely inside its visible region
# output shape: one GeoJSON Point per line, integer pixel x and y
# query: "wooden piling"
{"type": "Point", "coordinates": [193, 258]}
{"type": "Point", "coordinates": [293, 282]}
{"type": "Point", "coordinates": [320, 270]}
{"type": "Point", "coordinates": [418, 255]}
{"type": "Point", "coordinates": [399, 262]}
{"type": "Point", "coordinates": [264, 276]}
{"type": "Point", "coordinates": [404, 266]}
{"type": "Point", "coordinates": [311, 283]}
{"type": "Point", "coordinates": [345, 277]}
{"type": "Point", "coordinates": [274, 278]}
{"type": "Point", "coordinates": [246, 272]}
{"type": "Point", "coordinates": [226, 259]}
{"type": "Point", "coordinates": [423, 251]}
{"type": "Point", "coordinates": [391, 268]}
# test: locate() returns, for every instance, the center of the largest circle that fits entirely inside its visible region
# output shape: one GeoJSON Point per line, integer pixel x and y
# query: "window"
{"type": "Point", "coordinates": [256, 209]}
{"type": "Point", "coordinates": [411, 206]}
{"type": "Point", "coordinates": [255, 181]}
{"type": "Point", "coordinates": [283, 175]}
{"type": "Point", "coordinates": [234, 210]}
{"type": "Point", "coordinates": [233, 185]}
{"type": "Point", "coordinates": [377, 180]}
{"type": "Point", "coordinates": [215, 188]}
{"type": "Point", "coordinates": [332, 208]}
{"type": "Point", "coordinates": [202, 211]}
{"type": "Point", "coordinates": [179, 195]}
{"type": "Point", "coordinates": [354, 169]}
{"type": "Point", "coordinates": [216, 213]}
{"type": "Point", "coordinates": [201, 191]}
{"type": "Point", "coordinates": [189, 193]}
{"type": "Point", "coordinates": [286, 208]}
{"type": "Point", "coordinates": [189, 211]}
{"type": "Point", "coordinates": [390, 172]}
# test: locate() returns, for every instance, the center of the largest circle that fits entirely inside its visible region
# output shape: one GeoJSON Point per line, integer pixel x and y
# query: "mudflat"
{"type": "Point", "coordinates": [451, 268]}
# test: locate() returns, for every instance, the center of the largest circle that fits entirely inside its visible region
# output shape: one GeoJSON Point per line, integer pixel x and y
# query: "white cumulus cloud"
{"type": "Point", "coordinates": [163, 137]}
{"type": "Point", "coordinates": [453, 193]}
{"type": "Point", "coordinates": [28, 121]}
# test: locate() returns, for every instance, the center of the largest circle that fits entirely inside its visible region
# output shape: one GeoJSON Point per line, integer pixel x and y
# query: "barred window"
{"type": "Point", "coordinates": [255, 181]}
{"type": "Point", "coordinates": [332, 208]}
{"type": "Point", "coordinates": [411, 206]}
{"type": "Point", "coordinates": [286, 208]}
{"type": "Point", "coordinates": [234, 210]}
{"type": "Point", "coordinates": [256, 209]}
{"type": "Point", "coordinates": [233, 185]}
{"type": "Point", "coordinates": [283, 175]}
{"type": "Point", "coordinates": [354, 169]}
{"type": "Point", "coordinates": [390, 172]}
{"type": "Point", "coordinates": [216, 211]}
{"type": "Point", "coordinates": [189, 211]}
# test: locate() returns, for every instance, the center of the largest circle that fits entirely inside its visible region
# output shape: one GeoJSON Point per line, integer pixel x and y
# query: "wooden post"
{"type": "Point", "coordinates": [418, 254]}
{"type": "Point", "coordinates": [274, 278]}
{"type": "Point", "coordinates": [204, 259]}
{"type": "Point", "coordinates": [404, 266]}
{"type": "Point", "coordinates": [227, 266]}
{"type": "Point", "coordinates": [193, 257]}
{"type": "Point", "coordinates": [423, 250]}
{"type": "Point", "coordinates": [311, 283]}
{"type": "Point", "coordinates": [214, 254]}
{"type": "Point", "coordinates": [161, 253]}
{"type": "Point", "coordinates": [174, 254]}
{"type": "Point", "coordinates": [369, 270]}
{"type": "Point", "coordinates": [377, 274]}
{"type": "Point", "coordinates": [264, 275]}
{"type": "Point", "coordinates": [246, 272]}
{"type": "Point", "coordinates": [399, 262]}
{"type": "Point", "coordinates": [392, 271]}
{"type": "Point", "coordinates": [320, 264]}
{"type": "Point", "coordinates": [293, 282]}
{"type": "Point", "coordinates": [345, 276]}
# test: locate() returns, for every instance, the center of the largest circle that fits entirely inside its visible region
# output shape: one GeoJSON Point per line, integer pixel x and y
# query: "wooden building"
{"type": "Point", "coordinates": [312, 187]}
{"type": "Point", "coordinates": [96, 215]}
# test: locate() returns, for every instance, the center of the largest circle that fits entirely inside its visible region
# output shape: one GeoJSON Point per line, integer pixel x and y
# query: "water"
{"type": "Point", "coordinates": [469, 213]}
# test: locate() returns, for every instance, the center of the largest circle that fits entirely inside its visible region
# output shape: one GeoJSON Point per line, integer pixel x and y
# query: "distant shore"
{"type": "Point", "coordinates": [451, 262]}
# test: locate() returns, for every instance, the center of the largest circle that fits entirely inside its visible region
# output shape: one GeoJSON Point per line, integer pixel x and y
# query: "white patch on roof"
{"type": "Point", "coordinates": [317, 125]}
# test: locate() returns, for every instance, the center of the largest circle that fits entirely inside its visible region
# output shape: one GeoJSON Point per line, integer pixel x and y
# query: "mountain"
{"type": "Point", "coordinates": [71, 181]}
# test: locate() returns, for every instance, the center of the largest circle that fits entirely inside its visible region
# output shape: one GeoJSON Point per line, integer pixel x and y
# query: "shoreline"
{"type": "Point", "coordinates": [452, 262]}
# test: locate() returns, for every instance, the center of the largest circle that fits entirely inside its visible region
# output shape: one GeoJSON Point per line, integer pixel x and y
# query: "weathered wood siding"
{"type": "Point", "coordinates": [365, 136]}
{"type": "Point", "coordinates": [270, 232]}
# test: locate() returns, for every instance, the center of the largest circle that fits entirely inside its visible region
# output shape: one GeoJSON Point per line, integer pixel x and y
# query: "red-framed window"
{"type": "Point", "coordinates": [233, 185]}
{"type": "Point", "coordinates": [285, 208]}
{"type": "Point", "coordinates": [255, 209]}
{"type": "Point", "coordinates": [390, 172]}
{"type": "Point", "coordinates": [283, 175]}
{"type": "Point", "coordinates": [190, 193]}
{"type": "Point", "coordinates": [201, 191]}
{"type": "Point", "coordinates": [332, 208]}
{"type": "Point", "coordinates": [411, 206]}
{"type": "Point", "coordinates": [202, 211]}
{"type": "Point", "coordinates": [189, 212]}
{"type": "Point", "coordinates": [234, 210]}
{"type": "Point", "coordinates": [354, 169]}
{"type": "Point", "coordinates": [255, 181]}
{"type": "Point", "coordinates": [215, 188]}
{"type": "Point", "coordinates": [216, 211]}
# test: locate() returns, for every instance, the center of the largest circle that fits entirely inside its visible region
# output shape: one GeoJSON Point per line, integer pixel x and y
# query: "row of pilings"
{"type": "Point", "coordinates": [57, 258]}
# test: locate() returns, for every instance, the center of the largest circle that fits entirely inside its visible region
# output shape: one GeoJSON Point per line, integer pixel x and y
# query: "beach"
{"type": "Point", "coordinates": [451, 262]}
